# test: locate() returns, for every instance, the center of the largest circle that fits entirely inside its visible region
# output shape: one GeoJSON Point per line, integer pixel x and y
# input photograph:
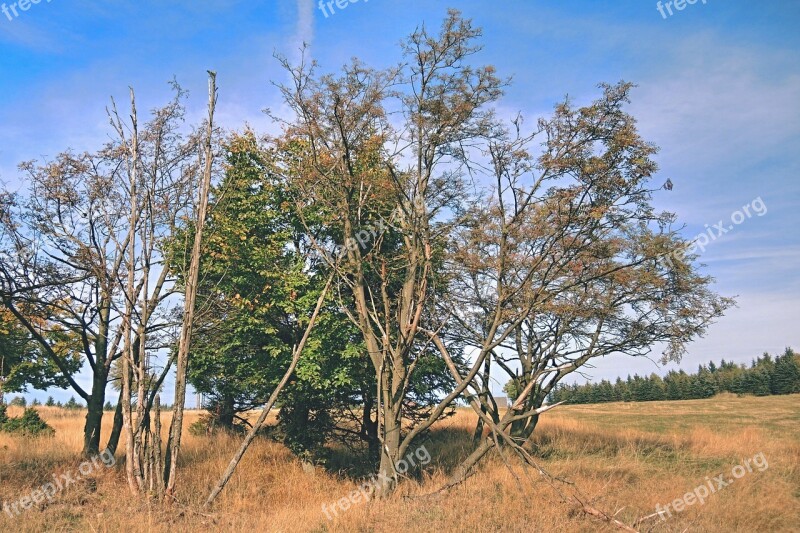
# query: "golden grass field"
{"type": "Point", "coordinates": [625, 458]}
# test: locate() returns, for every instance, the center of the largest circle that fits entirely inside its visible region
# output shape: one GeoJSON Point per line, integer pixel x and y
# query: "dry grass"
{"type": "Point", "coordinates": [624, 457]}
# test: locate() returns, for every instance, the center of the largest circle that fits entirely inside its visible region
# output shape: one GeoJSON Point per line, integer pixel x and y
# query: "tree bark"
{"type": "Point", "coordinates": [370, 429]}
{"type": "Point", "coordinates": [226, 412]}
{"type": "Point", "coordinates": [94, 413]}
{"type": "Point", "coordinates": [116, 429]}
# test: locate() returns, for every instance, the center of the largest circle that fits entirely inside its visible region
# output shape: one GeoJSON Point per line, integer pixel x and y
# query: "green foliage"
{"type": "Point", "coordinates": [209, 424]}
{"type": "Point", "coordinates": [29, 424]}
{"type": "Point", "coordinates": [199, 427]}
{"type": "Point", "coordinates": [259, 287]}
{"type": "Point", "coordinates": [512, 389]}
{"type": "Point", "coordinates": [260, 282]}
{"type": "Point", "coordinates": [785, 377]}
{"type": "Point", "coordinates": [22, 363]}
{"type": "Point", "coordinates": [50, 402]}
{"type": "Point", "coordinates": [764, 377]}
{"type": "Point", "coordinates": [19, 401]}
{"type": "Point", "coordinates": [72, 404]}
{"type": "Point", "coordinates": [3, 414]}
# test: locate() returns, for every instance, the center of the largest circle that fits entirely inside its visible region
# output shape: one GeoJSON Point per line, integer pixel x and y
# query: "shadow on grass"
{"type": "Point", "coordinates": [446, 447]}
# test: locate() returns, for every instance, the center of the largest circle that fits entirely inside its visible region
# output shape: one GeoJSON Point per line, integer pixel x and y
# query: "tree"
{"type": "Point", "coordinates": [785, 377]}
{"type": "Point", "coordinates": [556, 261]}
{"type": "Point", "coordinates": [561, 261]}
{"type": "Point", "coordinates": [50, 402]}
{"type": "Point", "coordinates": [58, 270]}
{"type": "Point", "coordinates": [64, 251]}
{"type": "Point", "coordinates": [512, 390]}
{"type": "Point", "coordinates": [353, 166]}
{"type": "Point", "coordinates": [190, 294]}
{"type": "Point", "coordinates": [18, 401]}
{"type": "Point", "coordinates": [22, 363]}
{"type": "Point", "coordinates": [30, 424]}
{"type": "Point", "coordinates": [72, 404]}
{"type": "Point", "coordinates": [259, 275]}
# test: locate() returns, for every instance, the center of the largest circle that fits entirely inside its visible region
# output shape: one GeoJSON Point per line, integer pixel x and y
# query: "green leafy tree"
{"type": "Point", "coordinates": [513, 390]}
{"type": "Point", "coordinates": [30, 424]}
{"type": "Point", "coordinates": [22, 363]}
{"type": "Point", "coordinates": [257, 278]}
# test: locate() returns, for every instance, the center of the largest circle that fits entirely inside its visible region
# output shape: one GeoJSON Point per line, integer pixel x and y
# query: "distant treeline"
{"type": "Point", "coordinates": [71, 405]}
{"type": "Point", "coordinates": [766, 375]}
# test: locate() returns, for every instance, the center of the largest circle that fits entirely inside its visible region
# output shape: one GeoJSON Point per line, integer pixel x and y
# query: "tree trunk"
{"type": "Point", "coordinates": [94, 413]}
{"type": "Point", "coordinates": [116, 429]}
{"type": "Point", "coordinates": [176, 425]}
{"type": "Point", "coordinates": [387, 480]}
{"type": "Point", "coordinates": [476, 437]}
{"type": "Point", "coordinates": [225, 412]}
{"type": "Point", "coordinates": [462, 472]}
{"type": "Point", "coordinates": [370, 430]}
{"type": "Point", "coordinates": [392, 427]}
{"type": "Point", "coordinates": [528, 432]}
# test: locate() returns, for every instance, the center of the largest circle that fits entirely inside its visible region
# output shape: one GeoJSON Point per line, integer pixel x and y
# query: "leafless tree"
{"type": "Point", "coordinates": [190, 293]}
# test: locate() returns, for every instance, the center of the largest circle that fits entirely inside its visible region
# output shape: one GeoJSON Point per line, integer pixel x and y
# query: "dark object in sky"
{"type": "Point", "coordinates": [668, 184]}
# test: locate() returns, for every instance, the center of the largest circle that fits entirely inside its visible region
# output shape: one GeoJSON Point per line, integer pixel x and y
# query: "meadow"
{"type": "Point", "coordinates": [623, 458]}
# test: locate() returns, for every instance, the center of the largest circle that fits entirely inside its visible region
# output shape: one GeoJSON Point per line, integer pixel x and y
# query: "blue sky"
{"type": "Point", "coordinates": [718, 91]}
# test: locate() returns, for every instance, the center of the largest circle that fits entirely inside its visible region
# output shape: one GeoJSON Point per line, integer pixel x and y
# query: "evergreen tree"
{"type": "Point", "coordinates": [766, 375]}
{"type": "Point", "coordinates": [785, 377]}
{"type": "Point", "coordinates": [19, 401]}
{"type": "Point", "coordinates": [72, 404]}
{"type": "Point", "coordinates": [620, 391]}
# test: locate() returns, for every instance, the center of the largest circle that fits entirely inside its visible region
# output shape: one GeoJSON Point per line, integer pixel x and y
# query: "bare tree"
{"type": "Point", "coordinates": [93, 285]}
{"type": "Point", "coordinates": [158, 178]}
{"type": "Point", "coordinates": [191, 280]}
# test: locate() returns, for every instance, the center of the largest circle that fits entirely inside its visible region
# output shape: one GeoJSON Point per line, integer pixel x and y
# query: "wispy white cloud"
{"type": "Point", "coordinates": [305, 25]}
{"type": "Point", "coordinates": [719, 105]}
